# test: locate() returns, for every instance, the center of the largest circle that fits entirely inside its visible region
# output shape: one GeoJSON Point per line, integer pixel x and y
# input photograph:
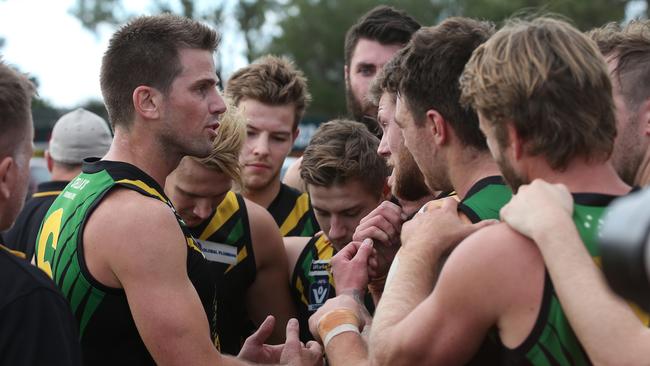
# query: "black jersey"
{"type": "Point", "coordinates": [226, 242]}
{"type": "Point", "coordinates": [22, 236]}
{"type": "Point", "coordinates": [36, 324]}
{"type": "Point", "coordinates": [106, 326]}
{"type": "Point", "coordinates": [293, 213]}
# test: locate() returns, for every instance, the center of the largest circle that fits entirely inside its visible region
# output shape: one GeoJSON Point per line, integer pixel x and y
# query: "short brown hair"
{"type": "Point", "coordinates": [431, 65]}
{"type": "Point", "coordinates": [271, 80]}
{"type": "Point", "coordinates": [631, 48]}
{"type": "Point", "coordinates": [146, 52]}
{"type": "Point", "coordinates": [548, 79]}
{"type": "Point", "coordinates": [16, 92]}
{"type": "Point", "coordinates": [341, 151]}
{"type": "Point", "coordinates": [383, 24]}
{"type": "Point", "coordinates": [227, 145]}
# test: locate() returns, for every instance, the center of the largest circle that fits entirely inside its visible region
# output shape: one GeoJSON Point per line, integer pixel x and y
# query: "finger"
{"type": "Point", "coordinates": [348, 251]}
{"type": "Point", "coordinates": [373, 233]}
{"type": "Point", "coordinates": [314, 347]}
{"type": "Point", "coordinates": [293, 329]}
{"type": "Point", "coordinates": [364, 252]}
{"type": "Point", "coordinates": [449, 204]}
{"type": "Point", "coordinates": [264, 331]}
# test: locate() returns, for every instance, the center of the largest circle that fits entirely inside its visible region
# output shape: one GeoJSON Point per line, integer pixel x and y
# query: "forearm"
{"type": "Point", "coordinates": [347, 349]}
{"type": "Point", "coordinates": [410, 282]}
{"type": "Point", "coordinates": [605, 325]}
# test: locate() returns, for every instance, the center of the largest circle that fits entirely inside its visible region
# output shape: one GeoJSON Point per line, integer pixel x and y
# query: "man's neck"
{"type": "Point", "coordinates": [580, 176]}
{"type": "Point", "coordinates": [264, 196]}
{"type": "Point", "coordinates": [138, 148]}
{"type": "Point", "coordinates": [468, 167]}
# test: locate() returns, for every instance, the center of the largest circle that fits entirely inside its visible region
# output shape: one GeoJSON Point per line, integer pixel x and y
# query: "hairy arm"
{"type": "Point", "coordinates": [605, 324]}
{"type": "Point", "coordinates": [269, 294]}
{"type": "Point", "coordinates": [146, 255]}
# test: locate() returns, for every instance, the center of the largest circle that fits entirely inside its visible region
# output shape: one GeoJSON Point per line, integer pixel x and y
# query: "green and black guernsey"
{"type": "Point", "coordinates": [106, 326]}
{"type": "Point", "coordinates": [485, 198]}
{"type": "Point", "coordinates": [292, 212]}
{"type": "Point", "coordinates": [226, 242]}
{"type": "Point", "coordinates": [552, 341]}
{"type": "Point", "coordinates": [312, 283]}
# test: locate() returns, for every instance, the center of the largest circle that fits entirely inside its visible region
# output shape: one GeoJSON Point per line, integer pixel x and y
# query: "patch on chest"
{"type": "Point", "coordinates": [319, 292]}
{"type": "Point", "coordinates": [218, 252]}
{"type": "Point", "coordinates": [320, 267]}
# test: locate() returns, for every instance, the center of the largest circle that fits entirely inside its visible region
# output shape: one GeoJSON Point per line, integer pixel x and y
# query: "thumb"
{"type": "Point", "coordinates": [481, 224]}
{"type": "Point", "coordinates": [364, 252]}
{"type": "Point", "coordinates": [264, 331]}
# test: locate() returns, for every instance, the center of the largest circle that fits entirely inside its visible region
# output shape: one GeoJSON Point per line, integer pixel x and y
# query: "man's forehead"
{"type": "Point", "coordinates": [371, 52]}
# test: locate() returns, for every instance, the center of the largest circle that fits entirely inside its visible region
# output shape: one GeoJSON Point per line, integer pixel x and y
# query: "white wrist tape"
{"type": "Point", "coordinates": [338, 330]}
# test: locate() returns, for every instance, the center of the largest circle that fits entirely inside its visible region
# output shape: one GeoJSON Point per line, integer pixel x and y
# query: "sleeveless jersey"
{"type": "Point", "coordinates": [226, 242]}
{"type": "Point", "coordinates": [107, 330]}
{"type": "Point", "coordinates": [552, 341]}
{"type": "Point", "coordinates": [312, 283]}
{"type": "Point", "coordinates": [485, 199]}
{"type": "Point", "coordinates": [292, 211]}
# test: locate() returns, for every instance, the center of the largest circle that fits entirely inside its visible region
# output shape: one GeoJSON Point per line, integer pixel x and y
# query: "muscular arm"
{"type": "Point", "coordinates": [605, 325]}
{"type": "Point", "coordinates": [269, 294]}
{"type": "Point", "coordinates": [146, 255]}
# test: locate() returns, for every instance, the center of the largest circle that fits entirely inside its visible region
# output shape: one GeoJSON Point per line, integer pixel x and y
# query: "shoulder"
{"type": "Point", "coordinates": [294, 246]}
{"type": "Point", "coordinates": [19, 278]}
{"type": "Point", "coordinates": [292, 176]}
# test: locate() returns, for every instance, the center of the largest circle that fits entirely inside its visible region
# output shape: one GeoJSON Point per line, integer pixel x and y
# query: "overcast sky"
{"type": "Point", "coordinates": [45, 40]}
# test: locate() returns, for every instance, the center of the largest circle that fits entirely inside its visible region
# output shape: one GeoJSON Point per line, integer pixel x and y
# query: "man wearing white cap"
{"type": "Point", "coordinates": [76, 135]}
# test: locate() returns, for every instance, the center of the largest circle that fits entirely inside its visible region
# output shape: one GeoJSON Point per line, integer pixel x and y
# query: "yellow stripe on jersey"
{"type": "Point", "coordinates": [45, 194]}
{"type": "Point", "coordinates": [17, 253]}
{"type": "Point", "coordinates": [324, 248]}
{"type": "Point", "coordinates": [241, 255]}
{"type": "Point", "coordinates": [142, 185]}
{"type": "Point", "coordinates": [299, 210]}
{"type": "Point", "coordinates": [642, 315]}
{"type": "Point", "coordinates": [228, 207]}
{"type": "Point", "coordinates": [192, 244]}
{"type": "Point", "coordinates": [301, 291]}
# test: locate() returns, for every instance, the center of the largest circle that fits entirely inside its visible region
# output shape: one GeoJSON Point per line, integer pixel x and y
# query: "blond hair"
{"type": "Point", "coordinates": [227, 145]}
{"type": "Point", "coordinates": [550, 81]}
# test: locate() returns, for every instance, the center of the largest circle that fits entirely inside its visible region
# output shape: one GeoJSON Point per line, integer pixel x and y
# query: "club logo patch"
{"type": "Point", "coordinates": [318, 293]}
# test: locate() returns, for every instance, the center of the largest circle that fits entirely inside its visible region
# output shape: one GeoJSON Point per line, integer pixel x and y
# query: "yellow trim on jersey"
{"type": "Point", "coordinates": [301, 290]}
{"type": "Point", "coordinates": [324, 247]}
{"type": "Point", "coordinates": [192, 244]}
{"type": "Point", "coordinates": [45, 194]}
{"type": "Point", "coordinates": [17, 253]}
{"type": "Point", "coordinates": [144, 186]}
{"type": "Point", "coordinates": [241, 255]}
{"type": "Point", "coordinates": [228, 207]}
{"type": "Point", "coordinates": [299, 210]}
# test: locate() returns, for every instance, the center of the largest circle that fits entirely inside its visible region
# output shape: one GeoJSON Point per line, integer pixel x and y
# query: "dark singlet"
{"type": "Point", "coordinates": [226, 242]}
{"type": "Point", "coordinates": [22, 236]}
{"type": "Point", "coordinates": [312, 283]}
{"type": "Point", "coordinates": [107, 330]}
{"type": "Point", "coordinates": [292, 211]}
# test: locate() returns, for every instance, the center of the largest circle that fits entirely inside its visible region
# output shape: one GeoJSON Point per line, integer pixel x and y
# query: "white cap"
{"type": "Point", "coordinates": [78, 135]}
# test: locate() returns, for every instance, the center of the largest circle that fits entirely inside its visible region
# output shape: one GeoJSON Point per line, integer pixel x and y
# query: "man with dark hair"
{"type": "Point", "coordinates": [346, 179]}
{"type": "Point", "coordinates": [36, 325]}
{"type": "Point", "coordinates": [272, 94]}
{"type": "Point", "coordinates": [446, 144]}
{"type": "Point", "coordinates": [369, 44]}
{"type": "Point", "coordinates": [76, 135]}
{"type": "Point", "coordinates": [494, 284]}
{"type": "Point", "coordinates": [141, 288]}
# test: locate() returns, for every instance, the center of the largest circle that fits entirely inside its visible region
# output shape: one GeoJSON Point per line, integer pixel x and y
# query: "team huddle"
{"type": "Point", "coordinates": [453, 219]}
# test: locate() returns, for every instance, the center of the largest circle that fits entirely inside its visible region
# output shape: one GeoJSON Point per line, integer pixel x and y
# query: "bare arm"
{"type": "Point", "coordinates": [292, 176]}
{"type": "Point", "coordinates": [269, 294]}
{"type": "Point", "coordinates": [409, 312]}
{"type": "Point", "coordinates": [147, 255]}
{"type": "Point", "coordinates": [606, 326]}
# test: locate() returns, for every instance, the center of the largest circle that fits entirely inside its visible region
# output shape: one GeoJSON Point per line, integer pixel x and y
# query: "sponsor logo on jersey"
{"type": "Point", "coordinates": [318, 293]}
{"type": "Point", "coordinates": [320, 267]}
{"type": "Point", "coordinates": [218, 252]}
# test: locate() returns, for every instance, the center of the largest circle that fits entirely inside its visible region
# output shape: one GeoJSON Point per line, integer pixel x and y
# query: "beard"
{"type": "Point", "coordinates": [512, 178]}
{"type": "Point", "coordinates": [628, 151]}
{"type": "Point", "coordinates": [362, 110]}
{"type": "Point", "coordinates": [409, 182]}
